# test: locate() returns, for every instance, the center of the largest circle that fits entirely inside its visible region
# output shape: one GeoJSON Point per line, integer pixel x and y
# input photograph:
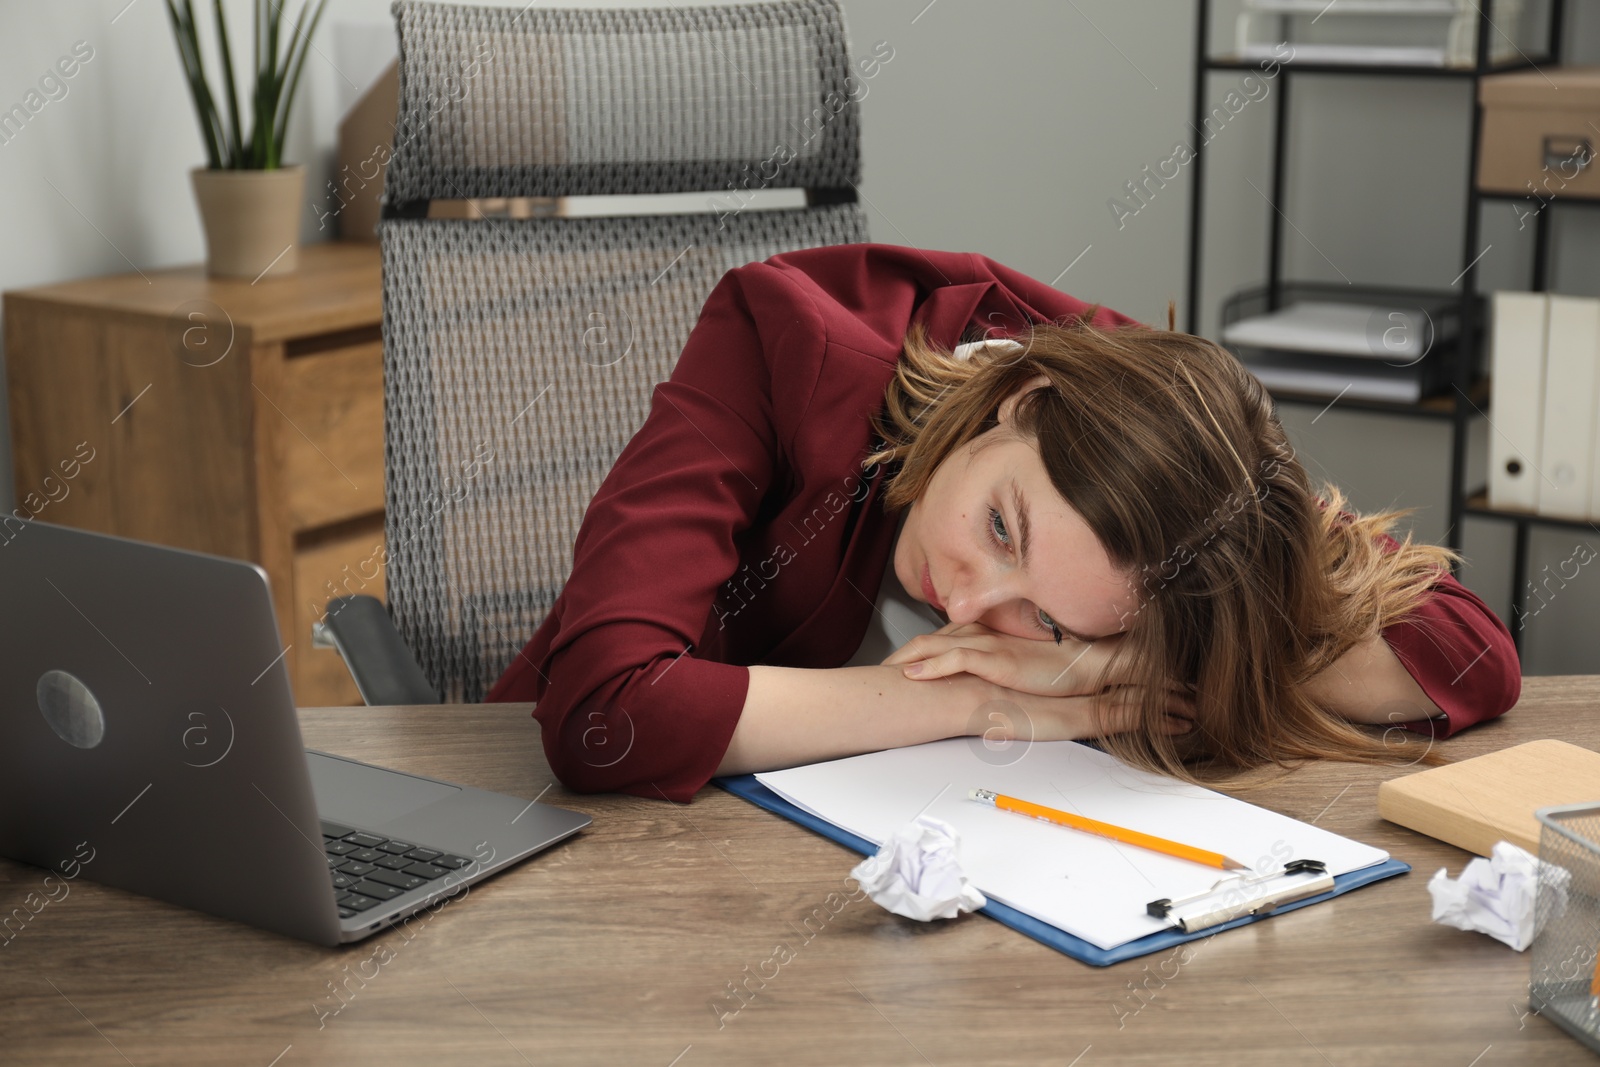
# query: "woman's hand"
{"type": "Point", "coordinates": [1042, 667]}
{"type": "Point", "coordinates": [1023, 717]}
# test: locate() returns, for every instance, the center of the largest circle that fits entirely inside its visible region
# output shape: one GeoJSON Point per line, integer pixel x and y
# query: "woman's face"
{"type": "Point", "coordinates": [967, 533]}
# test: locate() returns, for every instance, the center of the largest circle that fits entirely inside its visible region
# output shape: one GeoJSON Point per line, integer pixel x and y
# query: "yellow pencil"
{"type": "Point", "coordinates": [1105, 829]}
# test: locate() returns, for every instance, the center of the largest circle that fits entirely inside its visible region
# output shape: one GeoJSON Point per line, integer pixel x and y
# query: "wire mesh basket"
{"type": "Point", "coordinates": [1564, 980]}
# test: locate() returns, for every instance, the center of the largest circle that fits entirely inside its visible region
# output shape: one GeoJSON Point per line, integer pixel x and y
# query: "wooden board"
{"type": "Point", "coordinates": [1477, 802]}
{"type": "Point", "coordinates": [337, 287]}
{"type": "Point", "coordinates": [331, 404]}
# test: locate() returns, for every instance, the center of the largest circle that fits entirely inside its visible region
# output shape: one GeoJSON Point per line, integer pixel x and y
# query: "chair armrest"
{"type": "Point", "coordinates": [385, 672]}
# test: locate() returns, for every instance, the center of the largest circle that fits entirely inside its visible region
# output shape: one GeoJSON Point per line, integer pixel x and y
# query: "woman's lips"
{"type": "Point", "coordinates": [927, 589]}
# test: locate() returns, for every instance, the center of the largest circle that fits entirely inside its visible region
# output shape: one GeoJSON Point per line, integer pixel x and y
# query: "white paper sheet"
{"type": "Point", "coordinates": [1089, 886]}
{"type": "Point", "coordinates": [1379, 333]}
{"type": "Point", "coordinates": [1388, 55]}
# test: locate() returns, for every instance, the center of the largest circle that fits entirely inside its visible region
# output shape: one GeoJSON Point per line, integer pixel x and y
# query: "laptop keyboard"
{"type": "Point", "coordinates": [368, 869]}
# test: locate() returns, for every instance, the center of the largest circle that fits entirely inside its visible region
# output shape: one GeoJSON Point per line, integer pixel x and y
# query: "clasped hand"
{"type": "Point", "coordinates": [1073, 669]}
{"type": "Point", "coordinates": [1041, 667]}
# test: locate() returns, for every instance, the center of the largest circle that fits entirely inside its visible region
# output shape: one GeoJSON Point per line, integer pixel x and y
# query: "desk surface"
{"type": "Point", "coordinates": [614, 947]}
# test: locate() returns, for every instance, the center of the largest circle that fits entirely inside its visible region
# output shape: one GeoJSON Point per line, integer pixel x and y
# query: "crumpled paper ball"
{"type": "Point", "coordinates": [1497, 896]}
{"type": "Point", "coordinates": [917, 873]}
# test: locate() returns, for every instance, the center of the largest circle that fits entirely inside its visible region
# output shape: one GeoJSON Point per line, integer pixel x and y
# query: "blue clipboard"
{"type": "Point", "coordinates": [746, 786]}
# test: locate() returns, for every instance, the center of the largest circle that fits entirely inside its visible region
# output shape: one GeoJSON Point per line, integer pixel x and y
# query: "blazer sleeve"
{"type": "Point", "coordinates": [623, 701]}
{"type": "Point", "coordinates": [1460, 653]}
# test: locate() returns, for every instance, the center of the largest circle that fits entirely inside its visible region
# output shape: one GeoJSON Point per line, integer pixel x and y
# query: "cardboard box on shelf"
{"type": "Point", "coordinates": [1541, 131]}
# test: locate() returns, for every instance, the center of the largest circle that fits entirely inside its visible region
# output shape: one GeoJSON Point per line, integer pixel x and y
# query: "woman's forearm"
{"type": "Point", "coordinates": [1369, 684]}
{"type": "Point", "coordinates": [794, 716]}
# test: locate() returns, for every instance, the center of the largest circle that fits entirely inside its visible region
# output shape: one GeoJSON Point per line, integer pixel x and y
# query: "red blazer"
{"type": "Point", "coordinates": [737, 527]}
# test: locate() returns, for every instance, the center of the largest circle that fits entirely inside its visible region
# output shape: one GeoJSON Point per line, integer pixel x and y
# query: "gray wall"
{"type": "Point", "coordinates": [1001, 128]}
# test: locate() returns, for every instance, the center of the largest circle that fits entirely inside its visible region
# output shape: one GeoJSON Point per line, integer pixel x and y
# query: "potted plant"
{"type": "Point", "coordinates": [249, 199]}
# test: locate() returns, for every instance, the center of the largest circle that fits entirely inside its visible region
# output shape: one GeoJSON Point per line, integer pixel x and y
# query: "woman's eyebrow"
{"type": "Point", "coordinates": [1024, 522]}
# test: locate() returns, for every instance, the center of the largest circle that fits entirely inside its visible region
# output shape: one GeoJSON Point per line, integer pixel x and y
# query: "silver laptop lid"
{"type": "Point", "coordinates": [148, 738]}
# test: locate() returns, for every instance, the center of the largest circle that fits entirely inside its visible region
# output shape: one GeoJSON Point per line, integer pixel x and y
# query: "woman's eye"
{"type": "Point", "coordinates": [999, 535]}
{"type": "Point", "coordinates": [997, 528]}
{"type": "Point", "coordinates": [1047, 624]}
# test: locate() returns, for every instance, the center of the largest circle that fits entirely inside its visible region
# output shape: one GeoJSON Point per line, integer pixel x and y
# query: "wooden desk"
{"type": "Point", "coordinates": [227, 416]}
{"type": "Point", "coordinates": [611, 948]}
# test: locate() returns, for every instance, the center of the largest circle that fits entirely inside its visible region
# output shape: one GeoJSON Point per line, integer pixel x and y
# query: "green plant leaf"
{"type": "Point", "coordinates": [213, 116]}
{"type": "Point", "coordinates": [235, 143]}
{"type": "Point", "coordinates": [271, 79]}
{"type": "Point", "coordinates": [277, 78]}
{"type": "Point", "coordinates": [296, 65]}
{"type": "Point", "coordinates": [194, 72]}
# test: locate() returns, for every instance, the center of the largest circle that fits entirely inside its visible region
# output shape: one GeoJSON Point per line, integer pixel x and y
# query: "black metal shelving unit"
{"type": "Point", "coordinates": [1477, 504]}
{"type": "Point", "coordinates": [1467, 398]}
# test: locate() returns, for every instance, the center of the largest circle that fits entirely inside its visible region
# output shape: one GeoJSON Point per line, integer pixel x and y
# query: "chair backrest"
{"type": "Point", "coordinates": [520, 354]}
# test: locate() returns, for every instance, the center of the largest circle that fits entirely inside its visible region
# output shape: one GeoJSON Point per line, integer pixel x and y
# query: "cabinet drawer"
{"type": "Point", "coordinates": [344, 562]}
{"type": "Point", "coordinates": [332, 438]}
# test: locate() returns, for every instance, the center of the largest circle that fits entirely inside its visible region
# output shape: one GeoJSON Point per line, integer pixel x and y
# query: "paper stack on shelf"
{"type": "Point", "coordinates": [1353, 54]}
{"type": "Point", "coordinates": [1452, 23]}
{"type": "Point", "coordinates": [1326, 348]}
{"type": "Point", "coordinates": [1371, 330]}
{"type": "Point", "coordinates": [1334, 377]}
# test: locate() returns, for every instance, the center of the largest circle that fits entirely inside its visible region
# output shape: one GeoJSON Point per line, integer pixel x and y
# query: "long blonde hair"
{"type": "Point", "coordinates": [1169, 449]}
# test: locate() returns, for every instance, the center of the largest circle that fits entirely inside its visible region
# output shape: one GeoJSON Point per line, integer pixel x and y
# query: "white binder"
{"type": "Point", "coordinates": [1566, 455]}
{"type": "Point", "coordinates": [1516, 398]}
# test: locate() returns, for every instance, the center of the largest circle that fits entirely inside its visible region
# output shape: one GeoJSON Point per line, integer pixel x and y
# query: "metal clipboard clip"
{"type": "Point", "coordinates": [1232, 898]}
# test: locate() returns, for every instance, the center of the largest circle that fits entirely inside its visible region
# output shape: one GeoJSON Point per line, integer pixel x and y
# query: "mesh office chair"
{"type": "Point", "coordinates": [520, 354]}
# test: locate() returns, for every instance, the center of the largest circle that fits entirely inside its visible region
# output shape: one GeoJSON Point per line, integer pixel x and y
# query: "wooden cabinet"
{"type": "Point", "coordinates": [237, 418]}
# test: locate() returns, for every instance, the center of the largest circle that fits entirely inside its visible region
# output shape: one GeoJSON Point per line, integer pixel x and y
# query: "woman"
{"type": "Point", "coordinates": [1104, 524]}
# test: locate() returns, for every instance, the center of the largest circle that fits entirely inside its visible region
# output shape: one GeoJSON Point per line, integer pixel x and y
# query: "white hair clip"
{"type": "Point", "coordinates": [1004, 344]}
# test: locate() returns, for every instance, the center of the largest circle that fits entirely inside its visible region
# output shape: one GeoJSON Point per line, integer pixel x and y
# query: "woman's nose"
{"type": "Point", "coordinates": [975, 600]}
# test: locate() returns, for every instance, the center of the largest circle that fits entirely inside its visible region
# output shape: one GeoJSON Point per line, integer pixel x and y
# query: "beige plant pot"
{"type": "Point", "coordinates": [251, 219]}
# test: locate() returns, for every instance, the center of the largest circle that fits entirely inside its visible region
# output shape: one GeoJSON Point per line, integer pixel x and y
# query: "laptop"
{"type": "Point", "coordinates": [150, 742]}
